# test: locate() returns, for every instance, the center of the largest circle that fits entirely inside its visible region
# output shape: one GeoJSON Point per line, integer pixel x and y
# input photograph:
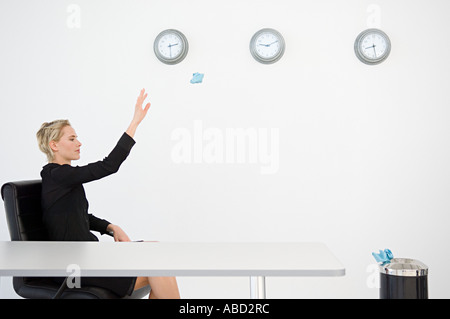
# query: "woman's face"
{"type": "Point", "coordinates": [67, 149]}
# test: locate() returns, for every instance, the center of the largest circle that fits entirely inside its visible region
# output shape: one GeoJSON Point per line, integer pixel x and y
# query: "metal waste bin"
{"type": "Point", "coordinates": [403, 278]}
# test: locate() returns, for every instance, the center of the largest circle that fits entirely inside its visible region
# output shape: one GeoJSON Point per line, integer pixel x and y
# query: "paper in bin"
{"type": "Point", "coordinates": [383, 256]}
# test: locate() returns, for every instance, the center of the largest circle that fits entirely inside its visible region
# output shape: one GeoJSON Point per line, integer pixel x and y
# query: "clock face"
{"type": "Point", "coordinates": [170, 46]}
{"type": "Point", "coordinates": [267, 46]}
{"type": "Point", "coordinates": [372, 46]}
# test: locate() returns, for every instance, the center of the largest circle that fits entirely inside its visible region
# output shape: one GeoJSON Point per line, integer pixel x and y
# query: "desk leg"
{"type": "Point", "coordinates": [258, 287]}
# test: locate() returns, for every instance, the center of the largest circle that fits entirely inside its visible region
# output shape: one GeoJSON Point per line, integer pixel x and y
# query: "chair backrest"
{"type": "Point", "coordinates": [23, 210]}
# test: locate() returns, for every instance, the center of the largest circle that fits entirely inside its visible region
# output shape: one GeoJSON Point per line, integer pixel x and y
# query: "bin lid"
{"type": "Point", "coordinates": [404, 267]}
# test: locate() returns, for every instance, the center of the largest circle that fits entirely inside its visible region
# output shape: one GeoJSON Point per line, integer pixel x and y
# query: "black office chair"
{"type": "Point", "coordinates": [24, 217]}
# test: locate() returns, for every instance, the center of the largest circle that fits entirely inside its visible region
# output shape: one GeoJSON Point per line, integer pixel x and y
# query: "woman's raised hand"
{"type": "Point", "coordinates": [139, 113]}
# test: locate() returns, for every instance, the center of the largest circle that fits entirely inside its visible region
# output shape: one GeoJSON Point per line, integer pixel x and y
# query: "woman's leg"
{"type": "Point", "coordinates": [162, 287]}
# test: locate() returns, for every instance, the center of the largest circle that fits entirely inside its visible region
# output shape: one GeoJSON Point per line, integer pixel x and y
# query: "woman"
{"type": "Point", "coordinates": [64, 203]}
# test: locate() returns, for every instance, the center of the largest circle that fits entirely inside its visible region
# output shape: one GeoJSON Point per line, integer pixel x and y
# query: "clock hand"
{"type": "Point", "coordinates": [268, 45]}
{"type": "Point", "coordinates": [374, 51]}
{"type": "Point", "coordinates": [170, 48]}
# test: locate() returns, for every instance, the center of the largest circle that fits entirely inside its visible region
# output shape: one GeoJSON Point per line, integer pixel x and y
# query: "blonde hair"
{"type": "Point", "coordinates": [50, 131]}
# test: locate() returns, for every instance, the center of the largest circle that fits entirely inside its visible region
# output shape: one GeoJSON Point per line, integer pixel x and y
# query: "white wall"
{"type": "Point", "coordinates": [363, 151]}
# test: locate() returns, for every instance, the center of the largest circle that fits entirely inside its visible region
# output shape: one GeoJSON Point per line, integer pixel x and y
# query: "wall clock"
{"type": "Point", "coordinates": [372, 46]}
{"type": "Point", "coordinates": [171, 46]}
{"type": "Point", "coordinates": [267, 46]}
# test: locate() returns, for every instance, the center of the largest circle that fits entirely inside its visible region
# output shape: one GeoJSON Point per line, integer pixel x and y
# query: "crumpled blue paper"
{"type": "Point", "coordinates": [384, 256]}
{"type": "Point", "coordinates": [197, 78]}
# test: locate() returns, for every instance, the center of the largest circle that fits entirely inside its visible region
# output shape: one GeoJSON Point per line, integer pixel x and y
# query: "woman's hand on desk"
{"type": "Point", "coordinates": [119, 234]}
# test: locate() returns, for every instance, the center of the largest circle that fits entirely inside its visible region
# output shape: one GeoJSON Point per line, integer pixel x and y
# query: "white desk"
{"type": "Point", "coordinates": [255, 260]}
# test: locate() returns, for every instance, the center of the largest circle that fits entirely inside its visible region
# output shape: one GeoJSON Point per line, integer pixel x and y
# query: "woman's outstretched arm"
{"type": "Point", "coordinates": [66, 174]}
